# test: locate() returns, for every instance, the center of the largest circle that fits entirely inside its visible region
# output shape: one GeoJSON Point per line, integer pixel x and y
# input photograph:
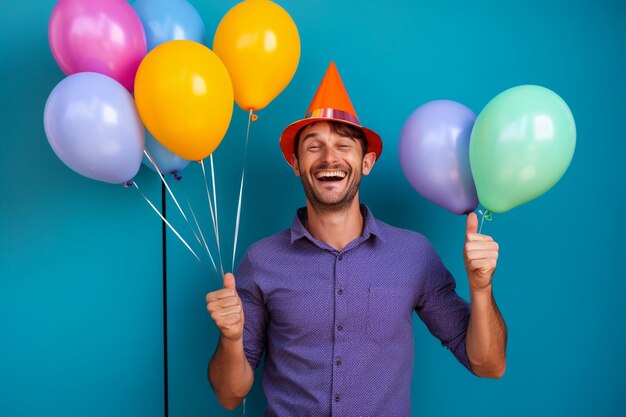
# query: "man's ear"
{"type": "Point", "coordinates": [368, 162]}
{"type": "Point", "coordinates": [294, 165]}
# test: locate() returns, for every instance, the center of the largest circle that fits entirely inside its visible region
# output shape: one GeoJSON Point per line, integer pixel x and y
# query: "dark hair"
{"type": "Point", "coordinates": [342, 129]}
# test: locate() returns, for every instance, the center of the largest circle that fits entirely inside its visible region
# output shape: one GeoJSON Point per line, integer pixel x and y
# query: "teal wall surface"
{"type": "Point", "coordinates": [81, 330]}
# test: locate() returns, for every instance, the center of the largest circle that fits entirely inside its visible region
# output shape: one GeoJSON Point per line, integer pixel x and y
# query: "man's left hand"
{"type": "Point", "coordinates": [481, 255]}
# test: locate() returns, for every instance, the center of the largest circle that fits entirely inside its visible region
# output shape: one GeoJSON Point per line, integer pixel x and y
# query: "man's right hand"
{"type": "Point", "coordinates": [226, 309]}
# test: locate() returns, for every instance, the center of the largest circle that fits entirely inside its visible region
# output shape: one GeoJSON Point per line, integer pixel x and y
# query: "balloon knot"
{"type": "Point", "coordinates": [487, 215]}
{"type": "Point", "coordinates": [253, 117]}
{"type": "Point", "coordinates": [177, 177]}
{"type": "Point", "coordinates": [128, 184]}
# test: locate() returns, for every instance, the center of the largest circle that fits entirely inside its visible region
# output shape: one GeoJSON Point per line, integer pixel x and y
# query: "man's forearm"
{"type": "Point", "coordinates": [486, 335]}
{"type": "Point", "coordinates": [230, 374]}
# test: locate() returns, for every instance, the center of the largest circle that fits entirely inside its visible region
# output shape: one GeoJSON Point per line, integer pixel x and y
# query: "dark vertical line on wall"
{"type": "Point", "coordinates": [164, 255]}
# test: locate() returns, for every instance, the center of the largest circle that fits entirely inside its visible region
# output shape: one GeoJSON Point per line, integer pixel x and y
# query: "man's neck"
{"type": "Point", "coordinates": [335, 228]}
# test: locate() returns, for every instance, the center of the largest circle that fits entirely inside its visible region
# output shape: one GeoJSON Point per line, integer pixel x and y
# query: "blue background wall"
{"type": "Point", "coordinates": [80, 261]}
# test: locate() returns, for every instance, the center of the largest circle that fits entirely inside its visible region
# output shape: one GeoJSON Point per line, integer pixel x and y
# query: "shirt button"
{"type": "Point", "coordinates": [340, 257]}
{"type": "Point", "coordinates": [340, 292]}
{"type": "Point", "coordinates": [337, 398]}
{"type": "Point", "coordinates": [338, 362]}
{"type": "Point", "coordinates": [340, 327]}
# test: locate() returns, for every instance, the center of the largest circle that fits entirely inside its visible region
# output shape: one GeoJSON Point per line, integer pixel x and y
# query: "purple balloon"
{"type": "Point", "coordinates": [434, 154]}
{"type": "Point", "coordinates": [93, 126]}
{"type": "Point", "coordinates": [104, 36]}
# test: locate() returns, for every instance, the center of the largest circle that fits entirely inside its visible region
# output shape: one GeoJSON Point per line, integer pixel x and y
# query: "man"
{"type": "Point", "coordinates": [330, 300]}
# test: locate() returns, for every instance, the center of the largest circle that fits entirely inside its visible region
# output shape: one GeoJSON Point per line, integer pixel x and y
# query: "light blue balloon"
{"type": "Point", "coordinates": [93, 126]}
{"type": "Point", "coordinates": [167, 161]}
{"type": "Point", "coordinates": [167, 20]}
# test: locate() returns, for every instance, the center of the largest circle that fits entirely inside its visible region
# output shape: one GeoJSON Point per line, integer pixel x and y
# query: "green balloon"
{"type": "Point", "coordinates": [520, 147]}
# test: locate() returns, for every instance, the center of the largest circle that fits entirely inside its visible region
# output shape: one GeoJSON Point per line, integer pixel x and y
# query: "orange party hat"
{"type": "Point", "coordinates": [330, 103]}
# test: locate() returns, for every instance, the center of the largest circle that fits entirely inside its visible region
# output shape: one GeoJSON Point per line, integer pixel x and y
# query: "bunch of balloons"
{"type": "Point", "coordinates": [518, 147]}
{"type": "Point", "coordinates": [184, 92]}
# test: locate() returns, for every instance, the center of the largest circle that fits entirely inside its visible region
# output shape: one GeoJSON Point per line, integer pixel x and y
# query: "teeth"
{"type": "Point", "coordinates": [327, 174]}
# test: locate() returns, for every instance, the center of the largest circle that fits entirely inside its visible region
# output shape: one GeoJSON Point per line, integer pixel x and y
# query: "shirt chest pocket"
{"type": "Point", "coordinates": [388, 313]}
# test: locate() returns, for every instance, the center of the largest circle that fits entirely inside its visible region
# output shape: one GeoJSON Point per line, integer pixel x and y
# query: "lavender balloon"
{"type": "Point", "coordinates": [434, 154]}
{"type": "Point", "coordinates": [93, 126]}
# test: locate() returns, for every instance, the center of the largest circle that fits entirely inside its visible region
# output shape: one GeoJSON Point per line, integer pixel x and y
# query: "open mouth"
{"type": "Point", "coordinates": [329, 176]}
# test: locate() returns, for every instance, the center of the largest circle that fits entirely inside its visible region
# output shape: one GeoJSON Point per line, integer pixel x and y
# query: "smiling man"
{"type": "Point", "coordinates": [330, 300]}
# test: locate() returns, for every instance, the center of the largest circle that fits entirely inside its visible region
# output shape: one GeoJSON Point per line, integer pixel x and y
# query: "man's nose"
{"type": "Point", "coordinates": [330, 154]}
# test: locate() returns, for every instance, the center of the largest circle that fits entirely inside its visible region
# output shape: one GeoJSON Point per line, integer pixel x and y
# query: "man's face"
{"type": "Point", "coordinates": [330, 166]}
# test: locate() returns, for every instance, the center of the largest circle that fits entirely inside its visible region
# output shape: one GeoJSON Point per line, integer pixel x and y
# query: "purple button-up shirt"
{"type": "Point", "coordinates": [337, 326]}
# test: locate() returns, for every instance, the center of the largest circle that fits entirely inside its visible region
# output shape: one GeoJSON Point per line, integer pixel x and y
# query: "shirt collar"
{"type": "Point", "coordinates": [370, 226]}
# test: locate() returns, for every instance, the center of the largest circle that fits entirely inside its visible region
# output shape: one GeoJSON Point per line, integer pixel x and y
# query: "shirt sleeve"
{"type": "Point", "coordinates": [255, 313]}
{"type": "Point", "coordinates": [443, 311]}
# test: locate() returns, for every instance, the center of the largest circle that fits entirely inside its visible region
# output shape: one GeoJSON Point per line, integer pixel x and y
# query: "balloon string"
{"type": "Point", "coordinates": [134, 184]}
{"type": "Point", "coordinates": [214, 218]}
{"type": "Point", "coordinates": [153, 162]}
{"type": "Point", "coordinates": [217, 221]}
{"type": "Point", "coordinates": [243, 174]}
{"type": "Point", "coordinates": [214, 185]}
{"type": "Point", "coordinates": [208, 197]}
{"type": "Point", "coordinates": [193, 214]}
{"type": "Point", "coordinates": [485, 215]}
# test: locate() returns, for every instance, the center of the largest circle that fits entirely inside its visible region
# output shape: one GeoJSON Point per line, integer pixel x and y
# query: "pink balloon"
{"type": "Point", "coordinates": [104, 36]}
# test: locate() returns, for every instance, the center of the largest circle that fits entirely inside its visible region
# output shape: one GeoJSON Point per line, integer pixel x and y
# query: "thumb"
{"type": "Point", "coordinates": [472, 223]}
{"type": "Point", "coordinates": [229, 280]}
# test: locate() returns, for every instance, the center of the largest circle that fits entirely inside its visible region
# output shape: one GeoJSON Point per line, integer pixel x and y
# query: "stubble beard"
{"type": "Point", "coordinates": [321, 204]}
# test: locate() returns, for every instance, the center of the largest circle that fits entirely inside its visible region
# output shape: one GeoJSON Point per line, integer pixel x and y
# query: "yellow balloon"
{"type": "Point", "coordinates": [184, 96]}
{"type": "Point", "coordinates": [259, 43]}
